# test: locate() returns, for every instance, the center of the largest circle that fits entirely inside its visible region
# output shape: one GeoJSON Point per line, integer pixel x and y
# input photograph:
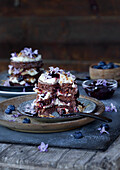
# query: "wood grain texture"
{"type": "Point", "coordinates": [67, 33]}
{"type": "Point", "coordinates": [28, 157]}
{"type": "Point", "coordinates": [34, 29]}
{"type": "Point", "coordinates": [59, 8]}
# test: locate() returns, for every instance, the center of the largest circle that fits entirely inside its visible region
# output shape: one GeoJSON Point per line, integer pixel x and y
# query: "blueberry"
{"type": "Point", "coordinates": [110, 65]}
{"type": "Point", "coordinates": [101, 63]}
{"type": "Point", "coordinates": [20, 78]}
{"type": "Point", "coordinates": [97, 67]}
{"type": "Point", "coordinates": [78, 135]}
{"type": "Point", "coordinates": [63, 111]}
{"type": "Point", "coordinates": [8, 111]}
{"type": "Point", "coordinates": [104, 67]}
{"type": "Point", "coordinates": [106, 126]}
{"type": "Point", "coordinates": [26, 120]}
{"type": "Point", "coordinates": [12, 107]}
{"type": "Point", "coordinates": [116, 66]}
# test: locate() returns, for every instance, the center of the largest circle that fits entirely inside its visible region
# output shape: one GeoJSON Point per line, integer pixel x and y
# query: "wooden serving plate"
{"type": "Point", "coordinates": [105, 73]}
{"type": "Point", "coordinates": [41, 127]}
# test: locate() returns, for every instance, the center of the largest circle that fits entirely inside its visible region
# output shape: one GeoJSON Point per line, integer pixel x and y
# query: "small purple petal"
{"type": "Point", "coordinates": [35, 52]}
{"type": "Point", "coordinates": [16, 71]}
{"type": "Point", "coordinates": [107, 109]}
{"type": "Point", "coordinates": [101, 82]}
{"type": "Point", "coordinates": [102, 130]}
{"type": "Point", "coordinates": [6, 83]}
{"type": "Point", "coordinates": [13, 54]}
{"type": "Point", "coordinates": [26, 84]}
{"type": "Point", "coordinates": [10, 67]}
{"type": "Point", "coordinates": [43, 147]}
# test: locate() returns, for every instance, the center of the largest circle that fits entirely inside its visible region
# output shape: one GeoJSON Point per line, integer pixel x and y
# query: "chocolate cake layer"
{"type": "Point", "coordinates": [47, 87]}
{"type": "Point", "coordinates": [45, 112]}
{"type": "Point", "coordinates": [27, 65]}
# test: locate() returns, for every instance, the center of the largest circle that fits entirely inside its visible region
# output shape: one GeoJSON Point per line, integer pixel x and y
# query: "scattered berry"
{"type": "Point", "coordinates": [26, 120]}
{"type": "Point", "coordinates": [78, 135]}
{"type": "Point", "coordinates": [12, 107]}
{"type": "Point", "coordinates": [8, 111]}
{"type": "Point", "coordinates": [20, 78]}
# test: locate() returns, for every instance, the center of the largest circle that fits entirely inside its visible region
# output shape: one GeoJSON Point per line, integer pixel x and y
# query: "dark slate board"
{"type": "Point", "coordinates": [92, 139]}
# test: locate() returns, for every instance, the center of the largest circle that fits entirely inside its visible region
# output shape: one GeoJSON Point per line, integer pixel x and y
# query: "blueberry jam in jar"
{"type": "Point", "coordinates": [100, 89]}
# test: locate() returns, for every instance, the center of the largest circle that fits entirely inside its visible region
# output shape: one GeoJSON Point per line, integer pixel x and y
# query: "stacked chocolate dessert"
{"type": "Point", "coordinates": [56, 91]}
{"type": "Point", "coordinates": [25, 68]}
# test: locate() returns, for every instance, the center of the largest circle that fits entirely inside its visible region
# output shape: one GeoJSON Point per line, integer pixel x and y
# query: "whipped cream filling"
{"type": "Point", "coordinates": [66, 79]}
{"type": "Point", "coordinates": [15, 80]}
{"type": "Point", "coordinates": [63, 94]}
{"type": "Point", "coordinates": [31, 72]}
{"type": "Point", "coordinates": [60, 103]}
{"type": "Point", "coordinates": [44, 96]}
{"type": "Point", "coordinates": [31, 80]}
{"type": "Point", "coordinates": [43, 78]}
{"type": "Point", "coordinates": [23, 58]}
{"type": "Point", "coordinates": [63, 78]}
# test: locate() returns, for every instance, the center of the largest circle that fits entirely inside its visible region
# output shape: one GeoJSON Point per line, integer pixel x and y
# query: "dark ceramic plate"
{"type": "Point", "coordinates": [89, 108]}
{"type": "Point", "coordinates": [16, 88]}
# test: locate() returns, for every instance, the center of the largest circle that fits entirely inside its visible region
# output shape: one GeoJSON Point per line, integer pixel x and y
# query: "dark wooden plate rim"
{"type": "Point", "coordinates": [41, 127]}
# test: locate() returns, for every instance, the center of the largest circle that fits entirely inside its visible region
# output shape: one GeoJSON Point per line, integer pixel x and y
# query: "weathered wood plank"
{"type": "Point", "coordinates": [58, 8]}
{"type": "Point", "coordinates": [3, 147]}
{"type": "Point", "coordinates": [30, 156]}
{"type": "Point", "coordinates": [110, 159]}
{"type": "Point", "coordinates": [69, 30]}
{"type": "Point", "coordinates": [75, 159]}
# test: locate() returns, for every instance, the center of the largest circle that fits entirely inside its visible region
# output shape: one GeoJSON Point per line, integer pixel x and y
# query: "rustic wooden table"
{"type": "Point", "coordinates": [14, 156]}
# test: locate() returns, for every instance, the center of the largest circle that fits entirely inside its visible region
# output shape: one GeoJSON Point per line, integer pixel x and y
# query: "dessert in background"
{"type": "Point", "coordinates": [25, 67]}
{"type": "Point", "coordinates": [56, 91]}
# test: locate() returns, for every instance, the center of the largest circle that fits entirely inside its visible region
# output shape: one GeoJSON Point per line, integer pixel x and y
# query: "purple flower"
{"type": "Point", "coordinates": [111, 108]}
{"type": "Point", "coordinates": [17, 115]}
{"type": "Point", "coordinates": [13, 55]}
{"type": "Point", "coordinates": [10, 67]}
{"type": "Point", "coordinates": [43, 147]}
{"type": "Point", "coordinates": [26, 84]}
{"type": "Point", "coordinates": [29, 52]}
{"type": "Point", "coordinates": [51, 69]}
{"type": "Point", "coordinates": [16, 71]}
{"type": "Point", "coordinates": [56, 70]}
{"type": "Point", "coordinates": [68, 73]}
{"type": "Point", "coordinates": [107, 109]}
{"type": "Point", "coordinates": [102, 130]}
{"type": "Point", "coordinates": [61, 71]}
{"type": "Point", "coordinates": [101, 82]}
{"type": "Point", "coordinates": [6, 83]}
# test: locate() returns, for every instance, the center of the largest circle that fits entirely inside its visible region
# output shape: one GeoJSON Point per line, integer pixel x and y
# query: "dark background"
{"type": "Point", "coordinates": [71, 34]}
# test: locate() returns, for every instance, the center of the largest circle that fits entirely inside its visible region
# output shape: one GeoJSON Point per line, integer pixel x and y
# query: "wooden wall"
{"type": "Point", "coordinates": [71, 34]}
